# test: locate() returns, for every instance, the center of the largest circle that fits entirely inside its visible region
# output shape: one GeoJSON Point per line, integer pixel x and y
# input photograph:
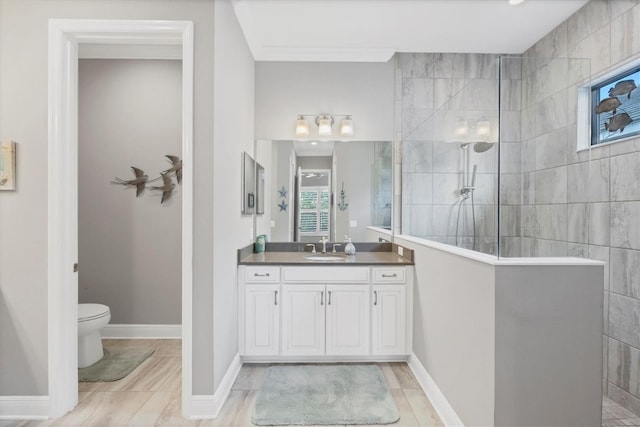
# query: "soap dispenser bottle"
{"type": "Point", "coordinates": [349, 249]}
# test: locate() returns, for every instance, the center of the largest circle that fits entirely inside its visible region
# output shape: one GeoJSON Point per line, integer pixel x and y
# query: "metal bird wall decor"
{"type": "Point", "coordinates": [142, 180]}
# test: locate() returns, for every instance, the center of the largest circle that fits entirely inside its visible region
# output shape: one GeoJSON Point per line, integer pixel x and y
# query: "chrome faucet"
{"type": "Point", "coordinates": [334, 247]}
{"type": "Point", "coordinates": [324, 241]}
{"type": "Point", "coordinates": [313, 247]}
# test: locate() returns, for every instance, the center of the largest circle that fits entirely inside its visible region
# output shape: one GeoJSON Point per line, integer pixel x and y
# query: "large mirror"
{"type": "Point", "coordinates": [325, 188]}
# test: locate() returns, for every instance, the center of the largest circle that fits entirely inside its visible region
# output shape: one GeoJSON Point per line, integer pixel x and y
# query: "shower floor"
{"type": "Point", "coordinates": [614, 415]}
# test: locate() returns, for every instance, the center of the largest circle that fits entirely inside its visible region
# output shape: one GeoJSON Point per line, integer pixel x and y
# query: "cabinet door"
{"type": "Point", "coordinates": [262, 313]}
{"type": "Point", "coordinates": [347, 320]}
{"type": "Point", "coordinates": [388, 319]}
{"type": "Point", "coordinates": [303, 314]}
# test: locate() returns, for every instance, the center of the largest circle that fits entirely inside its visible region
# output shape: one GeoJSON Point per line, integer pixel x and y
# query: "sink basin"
{"type": "Point", "coordinates": [325, 257]}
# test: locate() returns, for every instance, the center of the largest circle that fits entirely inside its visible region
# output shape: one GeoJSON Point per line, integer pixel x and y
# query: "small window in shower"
{"type": "Point", "coordinates": [616, 107]}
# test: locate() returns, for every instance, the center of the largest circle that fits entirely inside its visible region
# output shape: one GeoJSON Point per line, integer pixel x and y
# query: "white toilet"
{"type": "Point", "coordinates": [91, 319]}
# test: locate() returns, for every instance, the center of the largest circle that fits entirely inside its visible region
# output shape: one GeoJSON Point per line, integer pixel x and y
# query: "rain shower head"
{"type": "Point", "coordinates": [482, 146]}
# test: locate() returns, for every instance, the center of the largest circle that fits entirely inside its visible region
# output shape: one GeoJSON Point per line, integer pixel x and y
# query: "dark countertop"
{"type": "Point", "coordinates": [298, 259]}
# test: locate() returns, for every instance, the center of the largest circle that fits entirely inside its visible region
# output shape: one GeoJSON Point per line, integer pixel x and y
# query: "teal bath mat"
{"type": "Point", "coordinates": [324, 395]}
{"type": "Point", "coordinates": [116, 364]}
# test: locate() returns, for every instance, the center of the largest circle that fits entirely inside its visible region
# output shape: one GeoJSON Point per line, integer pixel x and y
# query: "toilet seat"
{"type": "Point", "coordinates": [87, 312]}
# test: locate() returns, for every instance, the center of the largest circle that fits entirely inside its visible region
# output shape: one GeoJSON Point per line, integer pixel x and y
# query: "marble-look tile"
{"type": "Point", "coordinates": [510, 126]}
{"type": "Point", "coordinates": [528, 126]}
{"type": "Point", "coordinates": [554, 44]}
{"type": "Point", "coordinates": [624, 319]}
{"type": "Point", "coordinates": [605, 357]}
{"type": "Point", "coordinates": [446, 188]}
{"type": "Point", "coordinates": [623, 398]}
{"type": "Point", "coordinates": [624, 366]}
{"type": "Point", "coordinates": [417, 125]}
{"type": "Point", "coordinates": [417, 156]}
{"type": "Point", "coordinates": [551, 78]}
{"type": "Point", "coordinates": [527, 247]}
{"type": "Point", "coordinates": [625, 35]}
{"type": "Point", "coordinates": [447, 158]}
{"type": "Point", "coordinates": [578, 224]}
{"type": "Point", "coordinates": [444, 122]}
{"type": "Point", "coordinates": [445, 217]}
{"type": "Point", "coordinates": [481, 66]}
{"type": "Point", "coordinates": [528, 153]}
{"type": "Point", "coordinates": [551, 185]}
{"type": "Point", "coordinates": [587, 21]}
{"type": "Point", "coordinates": [550, 248]}
{"type": "Point", "coordinates": [579, 250]}
{"type": "Point", "coordinates": [618, 7]}
{"type": "Point", "coordinates": [511, 67]}
{"type": "Point", "coordinates": [481, 94]}
{"type": "Point", "coordinates": [588, 181]}
{"type": "Point", "coordinates": [417, 188]}
{"type": "Point", "coordinates": [448, 94]}
{"type": "Point", "coordinates": [551, 113]}
{"type": "Point", "coordinates": [623, 147]}
{"type": "Point", "coordinates": [510, 157]}
{"type": "Point", "coordinates": [449, 65]}
{"type": "Point", "coordinates": [572, 104]}
{"type": "Point", "coordinates": [417, 93]}
{"type": "Point", "coordinates": [601, 253]}
{"type": "Point", "coordinates": [625, 177]}
{"type": "Point", "coordinates": [419, 220]}
{"type": "Point", "coordinates": [625, 225]}
{"type": "Point", "coordinates": [486, 189]}
{"type": "Point", "coordinates": [605, 315]}
{"type": "Point", "coordinates": [417, 65]}
{"type": "Point", "coordinates": [579, 71]}
{"type": "Point", "coordinates": [486, 223]}
{"type": "Point", "coordinates": [596, 47]}
{"type": "Point", "coordinates": [625, 272]}
{"type": "Point", "coordinates": [551, 221]}
{"type": "Point", "coordinates": [510, 189]}
{"type": "Point", "coordinates": [551, 149]}
{"type": "Point", "coordinates": [599, 229]}
{"type": "Point", "coordinates": [510, 247]}
{"type": "Point", "coordinates": [528, 188]}
{"type": "Point", "coordinates": [511, 95]}
{"type": "Point", "coordinates": [510, 221]}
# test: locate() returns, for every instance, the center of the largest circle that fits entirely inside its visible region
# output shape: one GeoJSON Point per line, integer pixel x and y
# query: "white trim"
{"type": "Point", "coordinates": [115, 331]}
{"type": "Point", "coordinates": [24, 407]}
{"type": "Point", "coordinates": [130, 51]}
{"type": "Point", "coordinates": [64, 37]}
{"type": "Point", "coordinates": [207, 406]}
{"type": "Point", "coordinates": [324, 359]}
{"type": "Point", "coordinates": [440, 403]}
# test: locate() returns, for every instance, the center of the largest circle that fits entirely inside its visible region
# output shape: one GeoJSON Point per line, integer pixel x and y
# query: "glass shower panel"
{"type": "Point", "coordinates": [450, 151]}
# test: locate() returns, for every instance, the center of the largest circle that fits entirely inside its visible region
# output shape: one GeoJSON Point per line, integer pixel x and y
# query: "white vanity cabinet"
{"type": "Point", "coordinates": [325, 313]}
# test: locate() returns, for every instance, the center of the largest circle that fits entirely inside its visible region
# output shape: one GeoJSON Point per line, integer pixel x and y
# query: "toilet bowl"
{"type": "Point", "coordinates": [91, 319]}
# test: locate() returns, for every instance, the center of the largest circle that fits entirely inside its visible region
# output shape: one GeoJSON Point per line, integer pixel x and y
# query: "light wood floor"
{"type": "Point", "coordinates": [150, 395]}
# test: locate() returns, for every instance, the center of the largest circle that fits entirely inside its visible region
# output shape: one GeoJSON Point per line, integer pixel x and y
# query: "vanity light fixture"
{"type": "Point", "coordinates": [515, 2]}
{"type": "Point", "coordinates": [325, 124]}
{"type": "Point", "coordinates": [346, 127]}
{"type": "Point", "coordinates": [483, 130]}
{"type": "Point", "coordinates": [302, 126]}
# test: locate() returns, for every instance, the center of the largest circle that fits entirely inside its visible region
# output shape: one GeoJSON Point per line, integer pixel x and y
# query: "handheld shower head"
{"type": "Point", "coordinates": [473, 176]}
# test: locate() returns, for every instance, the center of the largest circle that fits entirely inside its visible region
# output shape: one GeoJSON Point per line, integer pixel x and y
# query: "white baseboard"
{"type": "Point", "coordinates": [24, 407]}
{"type": "Point", "coordinates": [438, 400]}
{"type": "Point", "coordinates": [208, 407]}
{"type": "Point", "coordinates": [142, 331]}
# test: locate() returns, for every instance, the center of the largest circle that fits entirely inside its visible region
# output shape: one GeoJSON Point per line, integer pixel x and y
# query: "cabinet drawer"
{"type": "Point", "coordinates": [388, 275]}
{"type": "Point", "coordinates": [262, 275]}
{"type": "Point", "coordinates": [325, 274]}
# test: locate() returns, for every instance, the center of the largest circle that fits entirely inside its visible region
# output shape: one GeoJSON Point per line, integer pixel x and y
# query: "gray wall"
{"type": "Point", "coordinates": [23, 214]}
{"type": "Point", "coordinates": [233, 118]}
{"type": "Point", "coordinates": [285, 90]}
{"type": "Point", "coordinates": [586, 204]}
{"type": "Point", "coordinates": [129, 248]}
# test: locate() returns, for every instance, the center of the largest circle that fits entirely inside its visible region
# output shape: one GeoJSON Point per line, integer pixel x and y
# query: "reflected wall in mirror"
{"type": "Point", "coordinates": [325, 188]}
{"type": "Point", "coordinates": [248, 184]}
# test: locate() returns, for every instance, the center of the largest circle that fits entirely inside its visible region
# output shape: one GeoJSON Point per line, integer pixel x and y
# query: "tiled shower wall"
{"type": "Point", "coordinates": [433, 92]}
{"type": "Point", "coordinates": [586, 203]}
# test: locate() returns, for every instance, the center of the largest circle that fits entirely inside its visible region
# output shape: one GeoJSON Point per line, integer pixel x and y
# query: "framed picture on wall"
{"type": "Point", "coordinates": [7, 165]}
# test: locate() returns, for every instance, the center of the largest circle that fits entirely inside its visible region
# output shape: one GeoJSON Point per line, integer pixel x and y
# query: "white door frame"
{"type": "Point", "coordinates": [64, 37]}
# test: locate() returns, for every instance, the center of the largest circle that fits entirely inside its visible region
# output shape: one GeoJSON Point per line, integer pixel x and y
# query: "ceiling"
{"type": "Point", "coordinates": [373, 30]}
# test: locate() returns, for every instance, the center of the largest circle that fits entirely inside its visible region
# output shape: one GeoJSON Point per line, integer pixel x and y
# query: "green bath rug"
{"type": "Point", "coordinates": [116, 364]}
